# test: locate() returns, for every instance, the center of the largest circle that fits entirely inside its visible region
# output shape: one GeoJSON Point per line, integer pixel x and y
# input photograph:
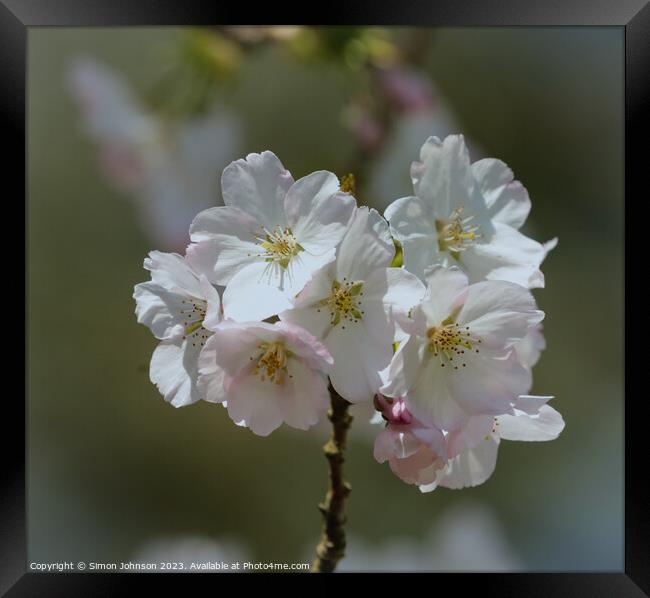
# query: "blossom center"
{"type": "Point", "coordinates": [193, 313]}
{"type": "Point", "coordinates": [280, 246]}
{"type": "Point", "coordinates": [272, 365]}
{"type": "Point", "coordinates": [448, 341]}
{"type": "Point", "coordinates": [456, 234]}
{"type": "Point", "coordinates": [344, 302]}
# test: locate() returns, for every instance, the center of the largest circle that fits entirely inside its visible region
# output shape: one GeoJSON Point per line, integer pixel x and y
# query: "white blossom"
{"type": "Point", "coordinates": [458, 359]}
{"type": "Point", "coordinates": [270, 236]}
{"type": "Point", "coordinates": [466, 215]}
{"type": "Point", "coordinates": [266, 374]}
{"type": "Point", "coordinates": [176, 305]}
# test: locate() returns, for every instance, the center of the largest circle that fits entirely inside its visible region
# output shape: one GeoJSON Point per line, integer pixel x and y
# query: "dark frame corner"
{"type": "Point", "coordinates": [16, 16]}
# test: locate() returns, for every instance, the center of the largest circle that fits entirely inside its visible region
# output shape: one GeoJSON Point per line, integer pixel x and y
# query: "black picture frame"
{"type": "Point", "coordinates": [16, 16]}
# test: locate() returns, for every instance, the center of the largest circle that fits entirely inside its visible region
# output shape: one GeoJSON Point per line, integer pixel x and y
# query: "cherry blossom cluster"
{"type": "Point", "coordinates": [290, 286]}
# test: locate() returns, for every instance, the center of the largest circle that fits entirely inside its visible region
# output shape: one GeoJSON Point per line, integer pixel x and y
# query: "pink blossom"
{"type": "Point", "coordinates": [266, 374]}
{"type": "Point", "coordinates": [414, 451]}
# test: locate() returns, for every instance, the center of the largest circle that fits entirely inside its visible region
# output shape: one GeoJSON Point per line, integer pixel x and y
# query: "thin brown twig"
{"type": "Point", "coordinates": [331, 548]}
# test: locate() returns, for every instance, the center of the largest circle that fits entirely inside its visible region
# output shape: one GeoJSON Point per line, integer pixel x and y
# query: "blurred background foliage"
{"type": "Point", "coordinates": [112, 467]}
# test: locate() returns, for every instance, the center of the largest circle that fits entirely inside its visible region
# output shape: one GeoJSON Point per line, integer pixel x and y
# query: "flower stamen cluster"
{"type": "Point", "coordinates": [449, 340]}
{"type": "Point", "coordinates": [195, 308]}
{"type": "Point", "coordinates": [272, 365]}
{"type": "Point", "coordinates": [345, 302]}
{"type": "Point", "coordinates": [456, 234]}
{"type": "Point", "coordinates": [280, 246]}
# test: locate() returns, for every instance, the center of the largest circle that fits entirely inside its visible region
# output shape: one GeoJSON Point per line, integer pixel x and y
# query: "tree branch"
{"type": "Point", "coordinates": [331, 548]}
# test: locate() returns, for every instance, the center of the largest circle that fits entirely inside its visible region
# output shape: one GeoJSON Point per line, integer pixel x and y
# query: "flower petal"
{"type": "Point", "coordinates": [472, 434]}
{"type": "Point", "coordinates": [173, 272]}
{"type": "Point", "coordinates": [500, 313]}
{"type": "Point", "coordinates": [508, 255]}
{"type": "Point", "coordinates": [446, 291]}
{"type": "Point", "coordinates": [224, 221]}
{"type": "Point", "coordinates": [358, 359]}
{"type": "Point", "coordinates": [302, 268]}
{"type": "Point", "coordinates": [256, 403]}
{"type": "Point", "coordinates": [412, 223]}
{"type": "Point", "coordinates": [174, 370]}
{"type": "Point", "coordinates": [488, 386]}
{"type": "Point", "coordinates": [159, 309]}
{"type": "Point", "coordinates": [421, 253]}
{"type": "Point", "coordinates": [471, 468]}
{"type": "Point", "coordinates": [397, 289]}
{"type": "Point", "coordinates": [384, 445]}
{"type": "Point", "coordinates": [263, 289]}
{"type": "Point", "coordinates": [211, 375]}
{"type": "Point", "coordinates": [420, 468]}
{"type": "Point", "coordinates": [506, 199]}
{"type": "Point", "coordinates": [213, 314]}
{"type": "Point", "coordinates": [545, 425]}
{"type": "Point", "coordinates": [367, 245]}
{"type": "Point", "coordinates": [404, 367]}
{"type": "Point", "coordinates": [224, 241]}
{"type": "Point", "coordinates": [410, 218]}
{"type": "Point", "coordinates": [443, 178]}
{"type": "Point", "coordinates": [317, 212]}
{"type": "Point", "coordinates": [258, 186]}
{"type": "Point", "coordinates": [431, 398]}
{"type": "Point", "coordinates": [318, 287]}
{"type": "Point", "coordinates": [531, 346]}
{"type": "Point", "coordinates": [306, 402]}
{"type": "Point", "coordinates": [307, 311]}
{"type": "Point", "coordinates": [315, 319]}
{"type": "Point", "coordinates": [388, 295]}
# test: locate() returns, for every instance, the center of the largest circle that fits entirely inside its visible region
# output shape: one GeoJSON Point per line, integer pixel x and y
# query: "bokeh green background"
{"type": "Point", "coordinates": [111, 465]}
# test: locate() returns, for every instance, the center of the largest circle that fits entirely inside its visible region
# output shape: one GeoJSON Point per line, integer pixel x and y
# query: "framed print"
{"type": "Point", "coordinates": [326, 297]}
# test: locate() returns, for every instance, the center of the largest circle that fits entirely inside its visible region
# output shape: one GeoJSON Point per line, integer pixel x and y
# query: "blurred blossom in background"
{"type": "Point", "coordinates": [169, 168]}
{"type": "Point", "coordinates": [465, 537]}
{"type": "Point", "coordinates": [128, 133]}
{"type": "Point", "coordinates": [186, 550]}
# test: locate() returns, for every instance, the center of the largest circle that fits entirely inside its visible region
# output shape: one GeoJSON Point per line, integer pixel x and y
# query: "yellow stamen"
{"type": "Point", "coordinates": [272, 365]}
{"type": "Point", "coordinates": [193, 326]}
{"type": "Point", "coordinates": [280, 246]}
{"type": "Point", "coordinates": [193, 313]}
{"type": "Point", "coordinates": [456, 235]}
{"type": "Point", "coordinates": [449, 340]}
{"type": "Point", "coordinates": [348, 184]}
{"type": "Point", "coordinates": [345, 302]}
